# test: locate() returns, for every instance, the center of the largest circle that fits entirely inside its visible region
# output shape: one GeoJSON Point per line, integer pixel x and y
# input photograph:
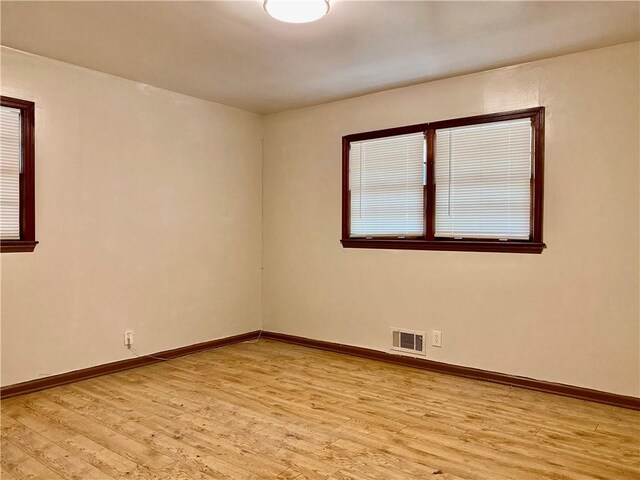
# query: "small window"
{"type": "Point", "coordinates": [470, 184]}
{"type": "Point", "coordinates": [17, 206]}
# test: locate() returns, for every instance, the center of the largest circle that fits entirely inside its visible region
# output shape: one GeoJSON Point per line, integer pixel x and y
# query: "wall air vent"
{"type": "Point", "coordinates": [408, 341]}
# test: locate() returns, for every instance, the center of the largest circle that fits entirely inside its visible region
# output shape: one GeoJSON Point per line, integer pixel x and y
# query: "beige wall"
{"type": "Point", "coordinates": [149, 217]}
{"type": "Point", "coordinates": [148, 208]}
{"type": "Point", "coordinates": [568, 315]}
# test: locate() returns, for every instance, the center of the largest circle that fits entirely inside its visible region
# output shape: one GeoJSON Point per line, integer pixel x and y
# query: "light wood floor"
{"type": "Point", "coordinates": [271, 410]}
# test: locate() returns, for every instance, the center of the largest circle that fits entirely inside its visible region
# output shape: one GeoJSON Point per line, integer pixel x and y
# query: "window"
{"type": "Point", "coordinates": [17, 206]}
{"type": "Point", "coordinates": [386, 185]}
{"type": "Point", "coordinates": [471, 184]}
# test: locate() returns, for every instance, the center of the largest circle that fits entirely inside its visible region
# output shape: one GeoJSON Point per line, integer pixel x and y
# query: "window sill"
{"type": "Point", "coordinates": [450, 245]}
{"type": "Point", "coordinates": [13, 246]}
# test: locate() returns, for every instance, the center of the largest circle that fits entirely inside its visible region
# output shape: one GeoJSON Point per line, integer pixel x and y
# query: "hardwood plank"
{"type": "Point", "coordinates": [144, 457]}
{"type": "Point", "coordinates": [49, 454]}
{"type": "Point", "coordinates": [21, 465]}
{"type": "Point", "coordinates": [154, 439]}
{"type": "Point", "coordinates": [5, 475]}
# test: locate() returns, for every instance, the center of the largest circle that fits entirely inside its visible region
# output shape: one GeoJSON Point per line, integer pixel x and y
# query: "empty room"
{"type": "Point", "coordinates": [320, 239]}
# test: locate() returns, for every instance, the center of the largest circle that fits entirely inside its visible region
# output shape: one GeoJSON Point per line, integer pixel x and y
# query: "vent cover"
{"type": "Point", "coordinates": [408, 341]}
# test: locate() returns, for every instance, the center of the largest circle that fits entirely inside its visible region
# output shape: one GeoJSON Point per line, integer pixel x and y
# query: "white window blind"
{"type": "Point", "coordinates": [10, 164]}
{"type": "Point", "coordinates": [386, 178]}
{"type": "Point", "coordinates": [482, 175]}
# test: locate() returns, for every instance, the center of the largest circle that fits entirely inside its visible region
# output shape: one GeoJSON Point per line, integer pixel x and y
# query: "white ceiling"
{"type": "Point", "coordinates": [233, 53]}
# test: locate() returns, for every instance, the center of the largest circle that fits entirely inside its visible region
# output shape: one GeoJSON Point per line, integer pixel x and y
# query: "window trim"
{"type": "Point", "coordinates": [428, 241]}
{"type": "Point", "coordinates": [27, 241]}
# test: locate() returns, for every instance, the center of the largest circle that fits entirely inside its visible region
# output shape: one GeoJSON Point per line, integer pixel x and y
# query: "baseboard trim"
{"type": "Point", "coordinates": [113, 367]}
{"type": "Point", "coordinates": [581, 393]}
{"type": "Point", "coordinates": [468, 372]}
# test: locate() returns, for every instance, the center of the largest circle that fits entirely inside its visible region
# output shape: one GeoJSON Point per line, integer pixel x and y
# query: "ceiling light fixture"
{"type": "Point", "coordinates": [296, 11]}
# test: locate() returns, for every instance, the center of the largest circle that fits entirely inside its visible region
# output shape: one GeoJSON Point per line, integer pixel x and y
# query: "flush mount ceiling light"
{"type": "Point", "coordinates": [296, 11]}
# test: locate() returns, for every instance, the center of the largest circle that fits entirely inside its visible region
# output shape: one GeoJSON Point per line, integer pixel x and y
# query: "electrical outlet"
{"type": "Point", "coordinates": [128, 338]}
{"type": "Point", "coordinates": [436, 338]}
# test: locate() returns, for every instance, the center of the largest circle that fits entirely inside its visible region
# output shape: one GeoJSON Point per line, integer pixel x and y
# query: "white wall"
{"type": "Point", "coordinates": [569, 315]}
{"type": "Point", "coordinates": [148, 213]}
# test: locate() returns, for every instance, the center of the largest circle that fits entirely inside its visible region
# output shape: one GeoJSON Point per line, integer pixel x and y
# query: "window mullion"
{"type": "Point", "coordinates": [430, 187]}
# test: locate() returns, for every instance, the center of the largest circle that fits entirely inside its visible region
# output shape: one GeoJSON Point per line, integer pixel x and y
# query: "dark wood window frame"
{"type": "Point", "coordinates": [428, 241]}
{"type": "Point", "coordinates": [27, 241]}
